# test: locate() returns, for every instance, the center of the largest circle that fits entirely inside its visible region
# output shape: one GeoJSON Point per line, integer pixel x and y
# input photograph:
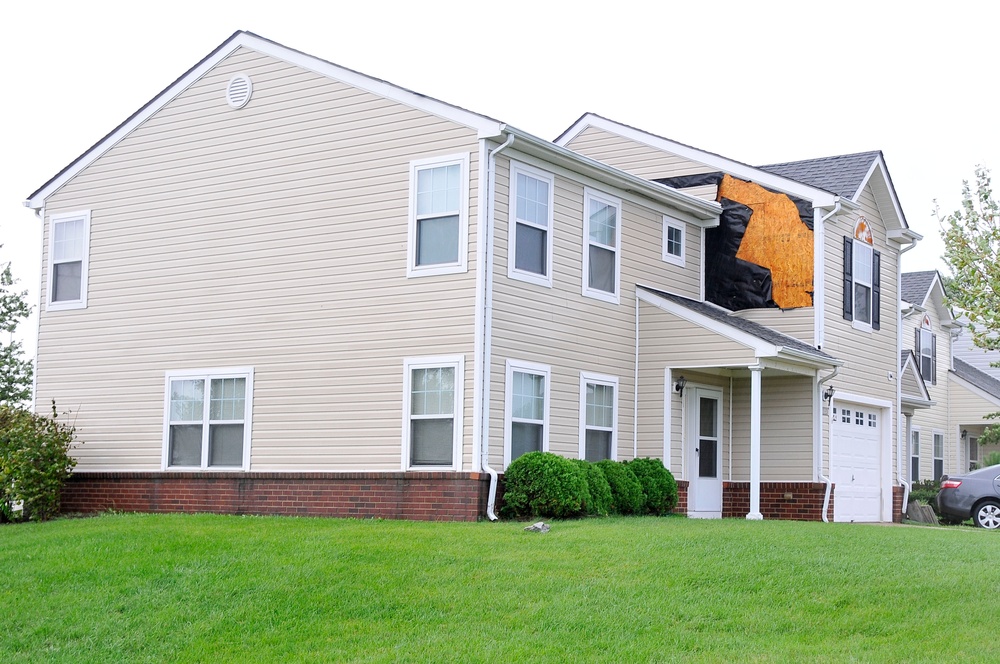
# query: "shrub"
{"type": "Point", "coordinates": [925, 491]}
{"type": "Point", "coordinates": [657, 483]}
{"type": "Point", "coordinates": [598, 487]}
{"type": "Point", "coordinates": [34, 463]}
{"type": "Point", "coordinates": [541, 484]}
{"type": "Point", "coordinates": [991, 459]}
{"type": "Point", "coordinates": [626, 490]}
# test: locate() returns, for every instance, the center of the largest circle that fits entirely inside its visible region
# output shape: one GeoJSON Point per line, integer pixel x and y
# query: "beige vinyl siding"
{"type": "Point", "coordinates": [871, 359]}
{"type": "Point", "coordinates": [560, 327]}
{"type": "Point", "coordinates": [273, 237]}
{"type": "Point", "coordinates": [935, 418]}
{"type": "Point", "coordinates": [797, 323]}
{"type": "Point", "coordinates": [786, 453]}
{"type": "Point", "coordinates": [637, 158]}
{"type": "Point", "coordinates": [908, 381]}
{"type": "Point", "coordinates": [966, 410]}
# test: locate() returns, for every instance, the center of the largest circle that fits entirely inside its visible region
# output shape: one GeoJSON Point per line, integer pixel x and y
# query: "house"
{"type": "Point", "coordinates": [943, 434]}
{"type": "Point", "coordinates": [283, 286]}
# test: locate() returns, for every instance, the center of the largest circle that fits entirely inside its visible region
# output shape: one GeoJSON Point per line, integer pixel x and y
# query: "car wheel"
{"type": "Point", "coordinates": [987, 515]}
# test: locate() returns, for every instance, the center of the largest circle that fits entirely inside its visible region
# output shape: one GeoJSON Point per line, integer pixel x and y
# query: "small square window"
{"type": "Point", "coordinates": [845, 416]}
{"type": "Point", "coordinates": [872, 420]}
{"type": "Point", "coordinates": [859, 418]}
{"type": "Point", "coordinates": [673, 241]}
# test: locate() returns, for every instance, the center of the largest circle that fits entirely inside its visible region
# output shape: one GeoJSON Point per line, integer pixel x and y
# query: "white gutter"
{"type": "Point", "coordinates": [899, 388]}
{"type": "Point", "coordinates": [818, 440]}
{"type": "Point", "coordinates": [484, 317]}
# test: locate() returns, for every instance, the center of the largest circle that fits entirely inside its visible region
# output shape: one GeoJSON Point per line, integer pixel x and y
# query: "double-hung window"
{"type": "Point", "coordinates": [926, 347]}
{"type": "Point", "coordinates": [914, 456]}
{"type": "Point", "coordinates": [208, 419]}
{"type": "Point", "coordinates": [432, 427]}
{"type": "Point", "coordinates": [439, 203]}
{"type": "Point", "coordinates": [530, 235]}
{"type": "Point", "coordinates": [598, 417]}
{"type": "Point", "coordinates": [673, 241]}
{"type": "Point", "coordinates": [938, 456]}
{"type": "Point", "coordinates": [862, 281]}
{"type": "Point", "coordinates": [527, 409]}
{"type": "Point", "coordinates": [69, 245]}
{"type": "Point", "coordinates": [602, 246]}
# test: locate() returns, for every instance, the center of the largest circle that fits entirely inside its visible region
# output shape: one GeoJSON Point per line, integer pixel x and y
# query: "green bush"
{"type": "Point", "coordinates": [541, 484]}
{"type": "Point", "coordinates": [627, 496]}
{"type": "Point", "coordinates": [925, 491]}
{"type": "Point", "coordinates": [34, 463]}
{"type": "Point", "coordinates": [657, 483]}
{"type": "Point", "coordinates": [991, 459]}
{"type": "Point", "coordinates": [598, 487]}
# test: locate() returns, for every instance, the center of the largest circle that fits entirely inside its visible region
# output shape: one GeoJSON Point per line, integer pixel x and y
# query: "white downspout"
{"type": "Point", "coordinates": [635, 385]}
{"type": "Point", "coordinates": [818, 437]}
{"type": "Point", "coordinates": [899, 388]}
{"type": "Point", "coordinates": [487, 321]}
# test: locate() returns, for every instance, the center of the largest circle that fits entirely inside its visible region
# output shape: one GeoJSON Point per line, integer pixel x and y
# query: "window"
{"type": "Point", "coordinates": [862, 281]}
{"type": "Point", "coordinates": [527, 410]}
{"type": "Point", "coordinates": [973, 453]}
{"type": "Point", "coordinates": [530, 234]}
{"type": "Point", "coordinates": [938, 456]}
{"type": "Point", "coordinates": [439, 195]}
{"type": "Point", "coordinates": [673, 241]}
{"type": "Point", "coordinates": [208, 419]}
{"type": "Point", "coordinates": [914, 456]}
{"type": "Point", "coordinates": [602, 230]}
{"type": "Point", "coordinates": [926, 350]}
{"type": "Point", "coordinates": [845, 416]}
{"type": "Point", "coordinates": [69, 247]}
{"type": "Point", "coordinates": [859, 418]}
{"type": "Point", "coordinates": [433, 412]}
{"type": "Point", "coordinates": [598, 417]}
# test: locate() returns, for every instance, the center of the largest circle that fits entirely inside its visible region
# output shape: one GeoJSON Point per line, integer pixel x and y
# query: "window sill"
{"type": "Point", "coordinates": [531, 278]}
{"type": "Point", "coordinates": [435, 270]}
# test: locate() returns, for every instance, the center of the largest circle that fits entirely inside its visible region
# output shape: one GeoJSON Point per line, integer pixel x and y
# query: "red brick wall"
{"type": "Point", "coordinates": [801, 501]}
{"type": "Point", "coordinates": [420, 496]}
{"type": "Point", "coordinates": [682, 497]}
{"type": "Point", "coordinates": [897, 504]}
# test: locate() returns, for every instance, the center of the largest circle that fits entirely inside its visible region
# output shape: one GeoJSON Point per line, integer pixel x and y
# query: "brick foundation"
{"type": "Point", "coordinates": [799, 501]}
{"type": "Point", "coordinates": [897, 504]}
{"type": "Point", "coordinates": [424, 496]}
{"type": "Point", "coordinates": [682, 497]}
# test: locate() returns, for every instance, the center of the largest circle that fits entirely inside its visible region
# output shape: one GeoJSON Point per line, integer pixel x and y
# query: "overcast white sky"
{"type": "Point", "coordinates": [760, 82]}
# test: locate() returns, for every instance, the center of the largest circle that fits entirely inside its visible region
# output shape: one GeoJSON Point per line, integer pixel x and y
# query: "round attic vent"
{"type": "Point", "coordinates": [239, 90]}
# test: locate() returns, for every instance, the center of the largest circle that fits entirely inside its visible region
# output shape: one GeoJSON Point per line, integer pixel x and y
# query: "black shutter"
{"type": "Point", "coordinates": [848, 279]}
{"type": "Point", "coordinates": [916, 348]}
{"type": "Point", "coordinates": [933, 359]}
{"type": "Point", "coordinates": [876, 289]}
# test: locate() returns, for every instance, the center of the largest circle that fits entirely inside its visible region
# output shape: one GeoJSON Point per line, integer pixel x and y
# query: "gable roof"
{"type": "Point", "coordinates": [908, 364]}
{"type": "Point", "coordinates": [914, 287]}
{"type": "Point", "coordinates": [485, 126]}
{"type": "Point", "coordinates": [842, 174]}
{"type": "Point", "coordinates": [974, 376]}
{"type": "Point", "coordinates": [760, 332]}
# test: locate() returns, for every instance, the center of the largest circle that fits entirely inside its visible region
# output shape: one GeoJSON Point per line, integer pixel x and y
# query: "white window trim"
{"type": "Point", "coordinates": [589, 195]}
{"type": "Point", "coordinates": [935, 458]}
{"type": "Point", "coordinates": [414, 270]}
{"type": "Point", "coordinates": [930, 355]}
{"type": "Point", "coordinates": [597, 379]}
{"type": "Point", "coordinates": [84, 269]}
{"type": "Point", "coordinates": [434, 362]}
{"type": "Point", "coordinates": [669, 222]}
{"type": "Point", "coordinates": [529, 368]}
{"type": "Point", "coordinates": [513, 221]}
{"type": "Point", "coordinates": [915, 430]}
{"type": "Point", "coordinates": [855, 323]}
{"type": "Point", "coordinates": [207, 375]}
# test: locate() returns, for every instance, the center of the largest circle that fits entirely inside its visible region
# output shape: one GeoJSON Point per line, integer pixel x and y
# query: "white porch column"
{"type": "Point", "coordinates": [754, 514]}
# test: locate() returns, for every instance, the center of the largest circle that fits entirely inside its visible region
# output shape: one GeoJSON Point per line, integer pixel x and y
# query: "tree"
{"type": "Point", "coordinates": [15, 371]}
{"type": "Point", "coordinates": [972, 250]}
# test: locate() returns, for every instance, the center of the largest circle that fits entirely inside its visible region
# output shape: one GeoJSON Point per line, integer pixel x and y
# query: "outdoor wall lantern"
{"type": "Point", "coordinates": [828, 394]}
{"type": "Point", "coordinates": [965, 434]}
{"type": "Point", "coordinates": [679, 385]}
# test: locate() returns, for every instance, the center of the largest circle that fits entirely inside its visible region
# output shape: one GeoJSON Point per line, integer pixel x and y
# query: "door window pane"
{"type": "Point", "coordinates": [708, 417]}
{"type": "Point", "coordinates": [707, 458]}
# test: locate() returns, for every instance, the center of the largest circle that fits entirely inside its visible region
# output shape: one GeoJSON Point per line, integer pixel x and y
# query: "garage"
{"type": "Point", "coordinates": [855, 440]}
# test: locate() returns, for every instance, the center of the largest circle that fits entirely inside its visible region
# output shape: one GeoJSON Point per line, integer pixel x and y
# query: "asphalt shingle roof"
{"type": "Point", "coordinates": [913, 286]}
{"type": "Point", "coordinates": [750, 327]}
{"type": "Point", "coordinates": [980, 379]}
{"type": "Point", "coordinates": [840, 174]}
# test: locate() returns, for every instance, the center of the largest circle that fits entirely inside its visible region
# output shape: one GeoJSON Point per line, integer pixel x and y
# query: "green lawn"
{"type": "Point", "coordinates": [209, 588]}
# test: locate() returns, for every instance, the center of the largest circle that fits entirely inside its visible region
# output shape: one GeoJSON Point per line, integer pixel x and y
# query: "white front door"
{"type": "Point", "coordinates": [705, 453]}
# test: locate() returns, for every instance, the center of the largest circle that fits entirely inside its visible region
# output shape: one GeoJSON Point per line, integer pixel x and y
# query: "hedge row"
{"type": "Point", "coordinates": [541, 484]}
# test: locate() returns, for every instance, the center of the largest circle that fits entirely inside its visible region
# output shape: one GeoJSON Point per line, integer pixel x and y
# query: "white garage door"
{"type": "Point", "coordinates": [855, 462]}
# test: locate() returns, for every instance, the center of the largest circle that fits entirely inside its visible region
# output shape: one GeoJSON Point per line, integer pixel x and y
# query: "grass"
{"type": "Point", "coordinates": [204, 588]}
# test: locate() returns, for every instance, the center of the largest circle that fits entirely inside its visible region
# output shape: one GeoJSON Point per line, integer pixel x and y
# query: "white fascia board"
{"type": "Point", "coordinates": [484, 126]}
{"type": "Point", "coordinates": [818, 197]}
{"type": "Point", "coordinates": [878, 165]}
{"type": "Point", "coordinates": [809, 359]}
{"type": "Point", "coordinates": [978, 391]}
{"type": "Point", "coordinates": [698, 210]}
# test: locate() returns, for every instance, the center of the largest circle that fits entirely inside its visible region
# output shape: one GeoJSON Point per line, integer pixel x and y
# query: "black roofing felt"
{"type": "Point", "coordinates": [980, 379]}
{"type": "Point", "coordinates": [762, 332]}
{"type": "Point", "coordinates": [914, 286]}
{"type": "Point", "coordinates": [841, 174]}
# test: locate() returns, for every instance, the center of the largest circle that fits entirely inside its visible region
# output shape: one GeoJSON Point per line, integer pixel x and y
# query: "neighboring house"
{"type": "Point", "coordinates": [285, 287]}
{"type": "Point", "coordinates": [943, 433]}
